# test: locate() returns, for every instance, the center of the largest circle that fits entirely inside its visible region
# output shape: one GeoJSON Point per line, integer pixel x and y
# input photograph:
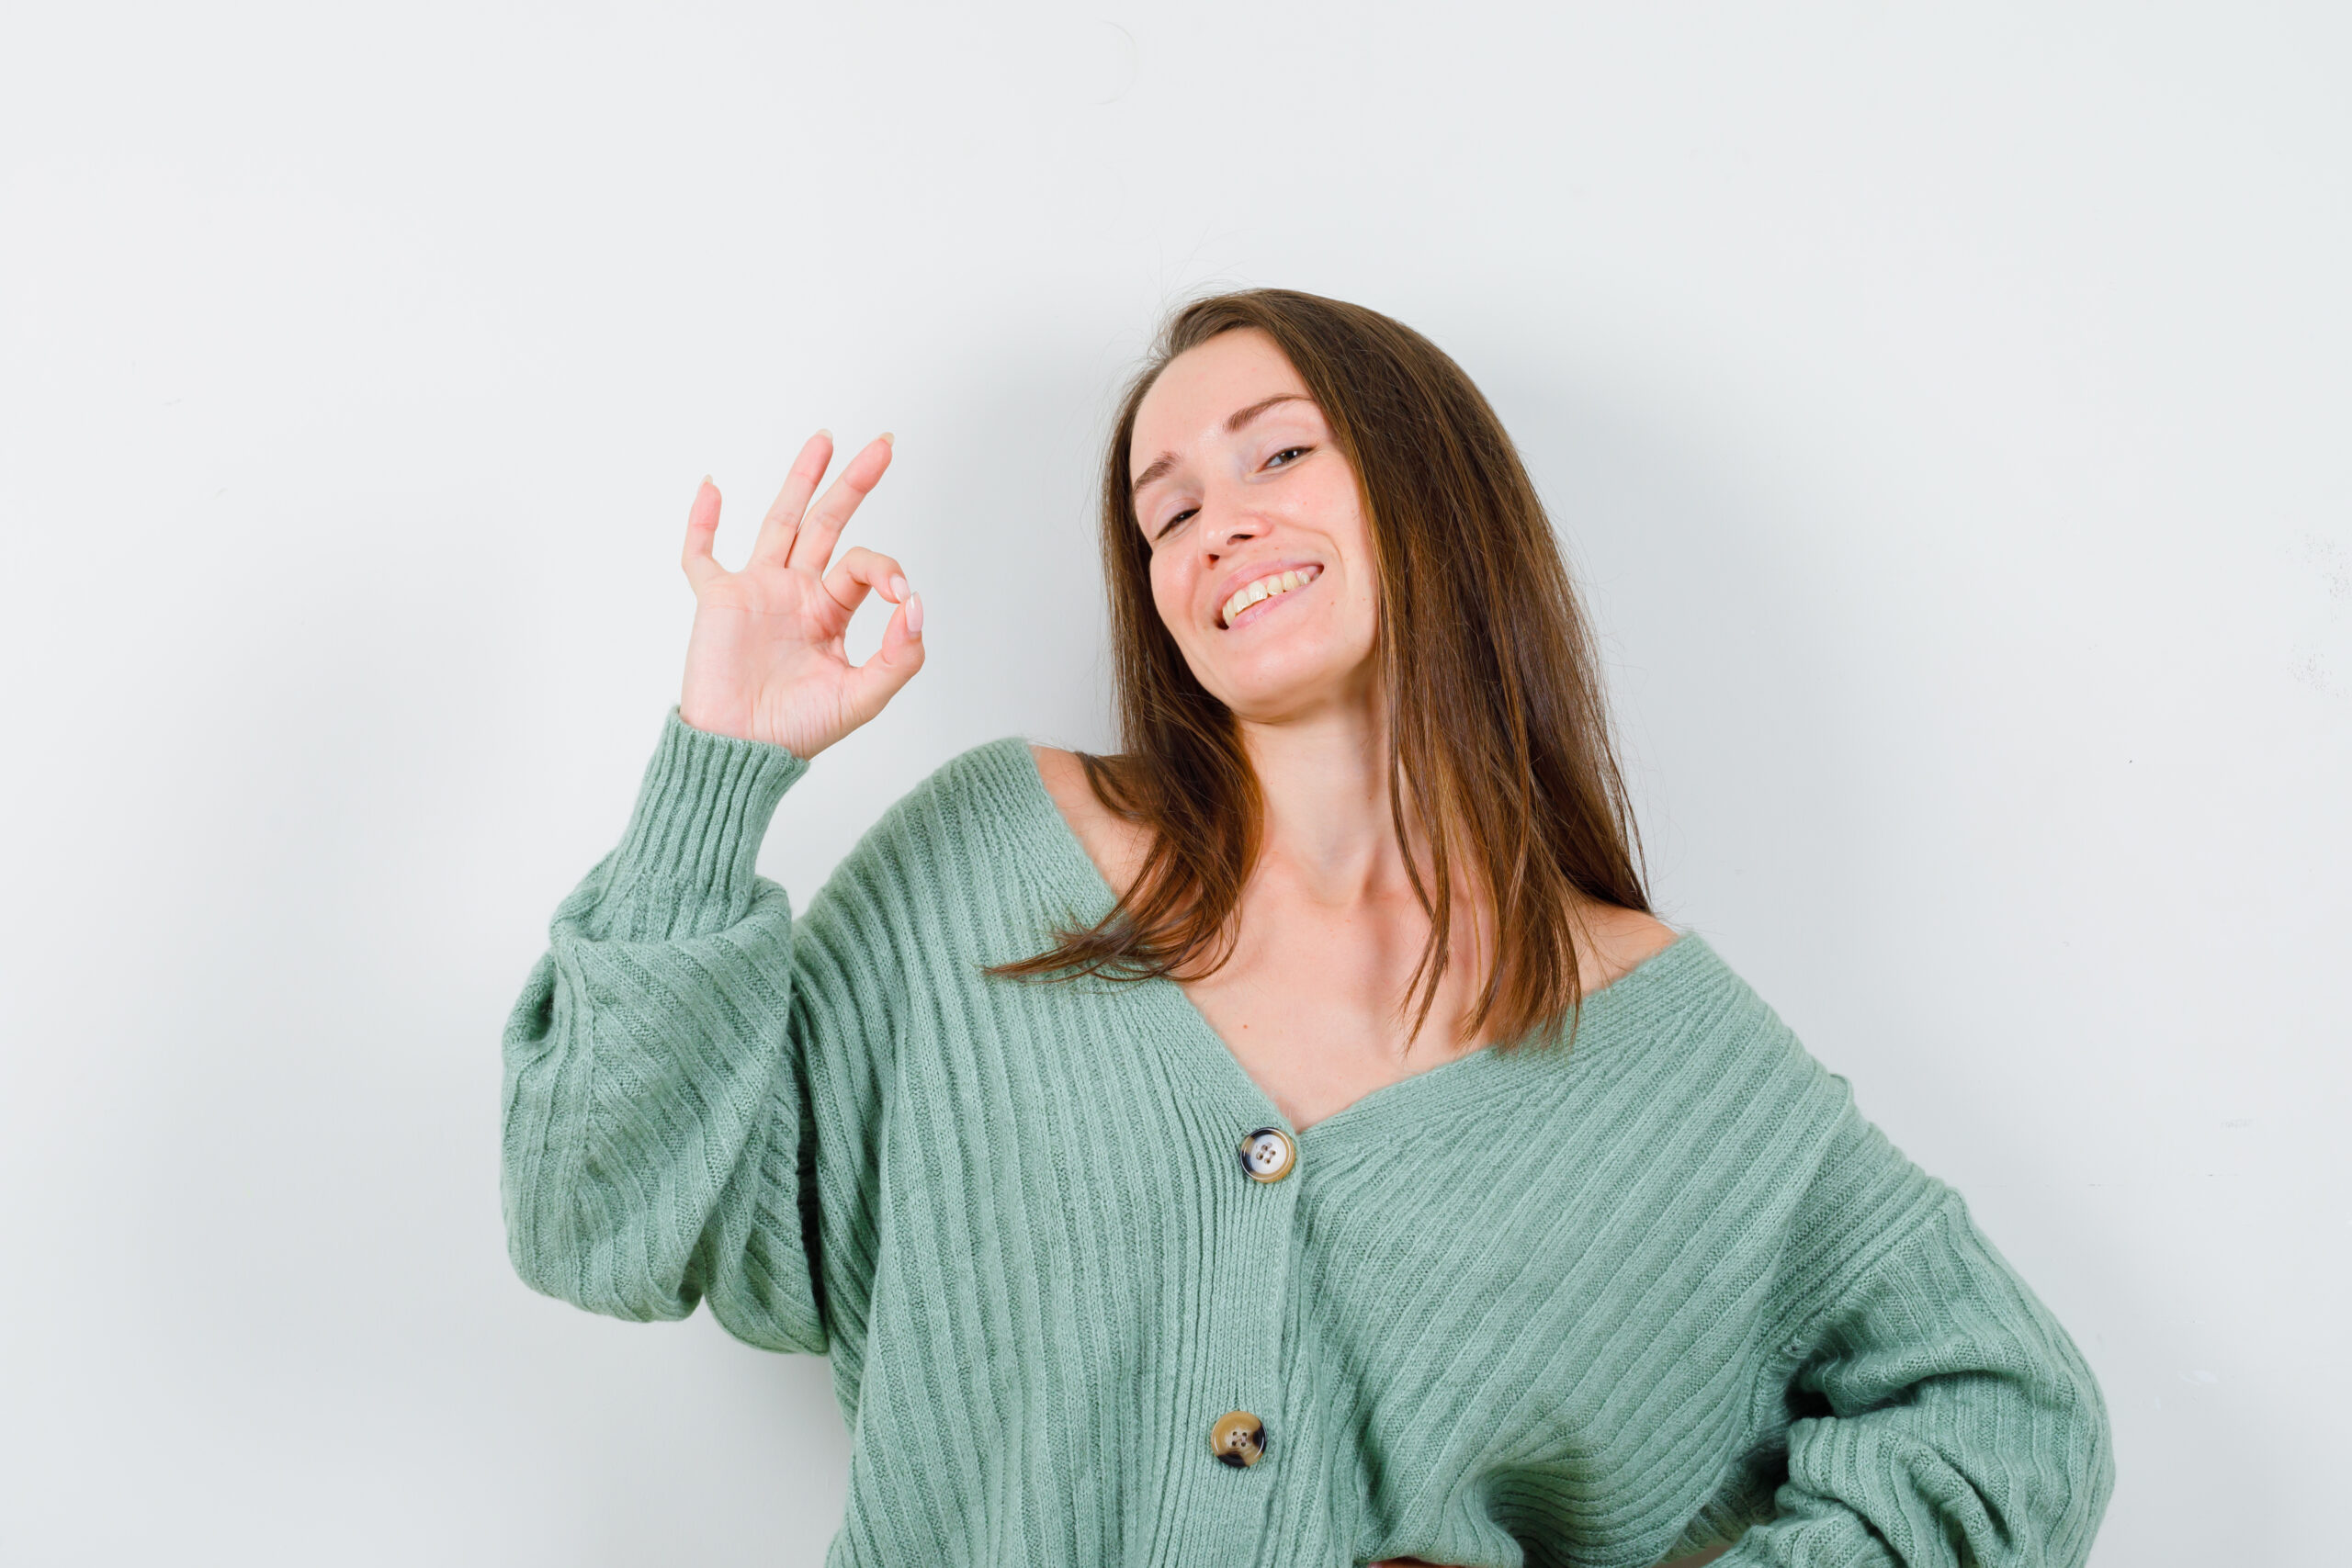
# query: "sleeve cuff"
{"type": "Point", "coordinates": [702, 808]}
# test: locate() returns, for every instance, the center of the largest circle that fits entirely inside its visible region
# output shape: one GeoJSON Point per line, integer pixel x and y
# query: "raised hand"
{"type": "Point", "coordinates": [766, 659]}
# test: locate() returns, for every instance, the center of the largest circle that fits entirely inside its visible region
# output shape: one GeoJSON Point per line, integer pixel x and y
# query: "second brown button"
{"type": "Point", "coordinates": [1238, 1438]}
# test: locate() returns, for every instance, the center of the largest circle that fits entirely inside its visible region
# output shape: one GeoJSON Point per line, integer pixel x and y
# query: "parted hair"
{"type": "Point", "coordinates": [1498, 740]}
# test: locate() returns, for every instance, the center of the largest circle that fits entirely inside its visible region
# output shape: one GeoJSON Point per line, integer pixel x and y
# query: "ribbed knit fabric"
{"type": "Point", "coordinates": [1600, 1307]}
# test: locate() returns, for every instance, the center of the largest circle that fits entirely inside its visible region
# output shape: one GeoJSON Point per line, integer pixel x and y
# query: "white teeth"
{"type": "Point", "coordinates": [1266, 588]}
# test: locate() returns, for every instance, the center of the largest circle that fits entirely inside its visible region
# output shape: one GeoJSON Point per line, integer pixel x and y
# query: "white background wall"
{"type": "Point", "coordinates": [1947, 414]}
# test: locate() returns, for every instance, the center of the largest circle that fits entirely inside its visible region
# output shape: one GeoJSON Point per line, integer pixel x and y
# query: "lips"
{"type": "Point", "coordinates": [1246, 597]}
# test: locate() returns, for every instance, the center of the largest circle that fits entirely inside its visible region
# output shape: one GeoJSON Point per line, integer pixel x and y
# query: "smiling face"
{"type": "Point", "coordinates": [1260, 558]}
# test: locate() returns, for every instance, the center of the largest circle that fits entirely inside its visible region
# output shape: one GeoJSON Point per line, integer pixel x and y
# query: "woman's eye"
{"type": "Point", "coordinates": [1171, 523]}
{"type": "Point", "coordinates": [1287, 452]}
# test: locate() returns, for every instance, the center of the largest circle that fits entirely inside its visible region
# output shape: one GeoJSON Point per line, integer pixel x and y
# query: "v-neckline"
{"type": "Point", "coordinates": [1449, 1083]}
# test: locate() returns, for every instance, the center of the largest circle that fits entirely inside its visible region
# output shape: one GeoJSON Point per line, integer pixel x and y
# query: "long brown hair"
{"type": "Point", "coordinates": [1498, 727]}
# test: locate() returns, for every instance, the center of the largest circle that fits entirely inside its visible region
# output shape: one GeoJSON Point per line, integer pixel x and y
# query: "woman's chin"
{"type": "Point", "coordinates": [1278, 683]}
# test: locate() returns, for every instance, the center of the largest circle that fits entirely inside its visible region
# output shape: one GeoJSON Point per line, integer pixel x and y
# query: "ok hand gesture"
{"type": "Point", "coordinates": [766, 658]}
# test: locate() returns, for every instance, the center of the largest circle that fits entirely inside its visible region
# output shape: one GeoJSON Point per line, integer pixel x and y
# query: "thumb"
{"type": "Point", "coordinates": [893, 664]}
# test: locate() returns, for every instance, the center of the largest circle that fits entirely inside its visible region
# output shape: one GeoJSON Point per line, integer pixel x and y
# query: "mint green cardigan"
{"type": "Point", "coordinates": [1600, 1307]}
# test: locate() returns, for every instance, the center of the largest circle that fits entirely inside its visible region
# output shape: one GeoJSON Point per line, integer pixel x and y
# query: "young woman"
{"type": "Point", "coordinates": [1291, 1140]}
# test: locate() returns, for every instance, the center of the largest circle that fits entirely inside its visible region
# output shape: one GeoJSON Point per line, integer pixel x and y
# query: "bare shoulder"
{"type": "Point", "coordinates": [1060, 769]}
{"type": "Point", "coordinates": [1623, 939]}
{"type": "Point", "coordinates": [1065, 780]}
{"type": "Point", "coordinates": [1114, 845]}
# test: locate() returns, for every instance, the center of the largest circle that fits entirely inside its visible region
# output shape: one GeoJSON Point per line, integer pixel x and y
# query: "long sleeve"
{"type": "Point", "coordinates": [1941, 1415]}
{"type": "Point", "coordinates": [659, 1143]}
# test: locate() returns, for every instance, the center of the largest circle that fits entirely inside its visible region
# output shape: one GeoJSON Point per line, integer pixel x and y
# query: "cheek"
{"type": "Point", "coordinates": [1167, 594]}
{"type": "Point", "coordinates": [1332, 506]}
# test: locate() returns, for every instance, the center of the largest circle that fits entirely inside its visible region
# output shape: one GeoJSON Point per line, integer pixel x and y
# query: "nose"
{"type": "Point", "coordinates": [1229, 525]}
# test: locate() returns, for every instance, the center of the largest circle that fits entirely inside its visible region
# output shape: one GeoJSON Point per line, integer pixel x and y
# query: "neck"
{"type": "Point", "coordinates": [1324, 774]}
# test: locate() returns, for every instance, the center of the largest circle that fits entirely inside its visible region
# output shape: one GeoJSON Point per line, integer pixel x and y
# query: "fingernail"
{"type": "Point", "coordinates": [887, 440]}
{"type": "Point", "coordinates": [898, 587]}
{"type": "Point", "coordinates": [914, 615]}
{"type": "Point", "coordinates": [826, 433]}
{"type": "Point", "coordinates": [705, 479]}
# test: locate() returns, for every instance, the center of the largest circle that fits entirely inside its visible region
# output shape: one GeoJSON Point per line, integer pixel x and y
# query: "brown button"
{"type": "Point", "coordinates": [1238, 1438]}
{"type": "Point", "coordinates": [1268, 1155]}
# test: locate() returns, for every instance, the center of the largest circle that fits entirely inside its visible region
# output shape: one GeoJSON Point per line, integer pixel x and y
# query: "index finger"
{"type": "Point", "coordinates": [813, 546]}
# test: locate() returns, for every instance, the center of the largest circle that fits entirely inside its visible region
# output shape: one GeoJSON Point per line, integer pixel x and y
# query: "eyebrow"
{"type": "Point", "coordinates": [1233, 423]}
